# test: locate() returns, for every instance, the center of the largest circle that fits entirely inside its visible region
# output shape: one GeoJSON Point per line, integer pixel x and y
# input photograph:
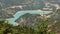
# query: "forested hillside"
{"type": "Point", "coordinates": [29, 23]}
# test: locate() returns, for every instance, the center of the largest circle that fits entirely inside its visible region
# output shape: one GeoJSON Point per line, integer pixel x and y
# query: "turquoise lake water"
{"type": "Point", "coordinates": [20, 13]}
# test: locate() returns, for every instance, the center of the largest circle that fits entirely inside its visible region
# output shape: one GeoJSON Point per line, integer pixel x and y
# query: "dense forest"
{"type": "Point", "coordinates": [40, 28]}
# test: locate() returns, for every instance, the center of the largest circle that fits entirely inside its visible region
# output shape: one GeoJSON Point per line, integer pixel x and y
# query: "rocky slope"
{"type": "Point", "coordinates": [28, 20]}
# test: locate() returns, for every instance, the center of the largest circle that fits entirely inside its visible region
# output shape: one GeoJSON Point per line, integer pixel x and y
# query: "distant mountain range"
{"type": "Point", "coordinates": [27, 4]}
{"type": "Point", "coordinates": [9, 7]}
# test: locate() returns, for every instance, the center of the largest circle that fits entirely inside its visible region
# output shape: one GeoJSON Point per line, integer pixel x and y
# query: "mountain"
{"type": "Point", "coordinates": [10, 7]}
{"type": "Point", "coordinates": [27, 4]}
{"type": "Point", "coordinates": [5, 15]}
{"type": "Point", "coordinates": [55, 22]}
{"type": "Point", "coordinates": [28, 20]}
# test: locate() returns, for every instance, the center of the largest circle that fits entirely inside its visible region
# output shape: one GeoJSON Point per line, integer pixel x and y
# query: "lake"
{"type": "Point", "coordinates": [21, 13]}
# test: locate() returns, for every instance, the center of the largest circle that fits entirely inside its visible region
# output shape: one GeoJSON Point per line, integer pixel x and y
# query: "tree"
{"type": "Point", "coordinates": [41, 28]}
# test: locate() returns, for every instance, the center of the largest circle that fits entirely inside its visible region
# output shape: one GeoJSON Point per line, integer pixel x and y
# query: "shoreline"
{"type": "Point", "coordinates": [20, 13]}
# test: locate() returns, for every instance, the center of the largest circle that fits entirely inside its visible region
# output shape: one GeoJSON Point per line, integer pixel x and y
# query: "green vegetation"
{"type": "Point", "coordinates": [40, 28]}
